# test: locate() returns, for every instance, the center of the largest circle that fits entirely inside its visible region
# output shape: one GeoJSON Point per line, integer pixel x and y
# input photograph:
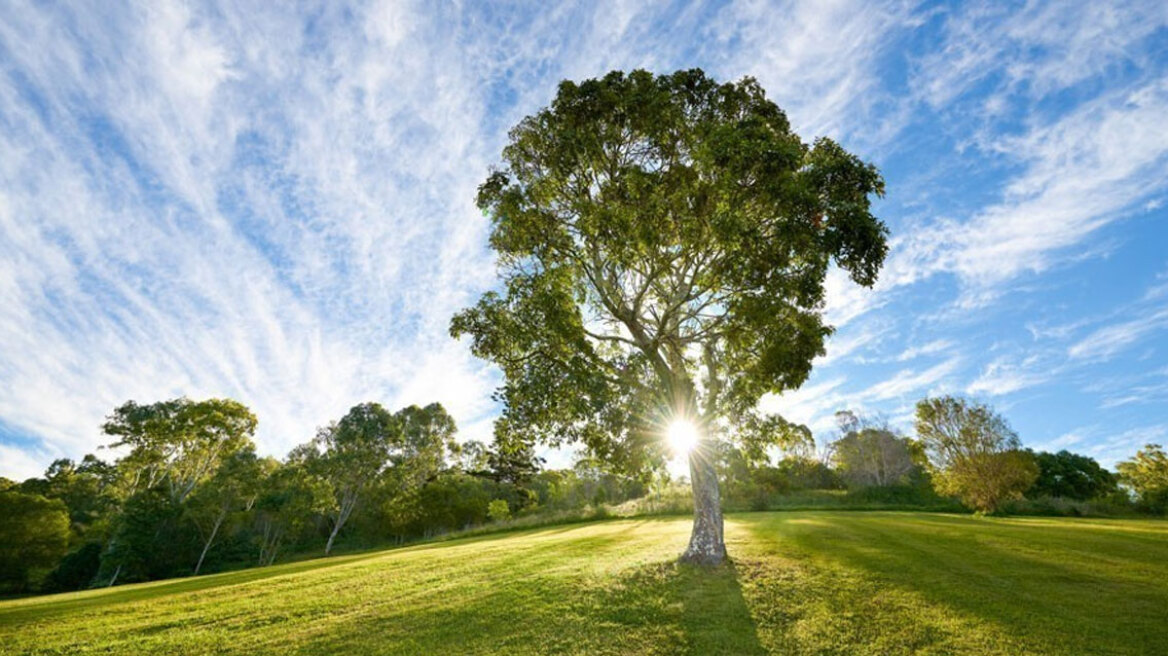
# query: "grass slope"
{"type": "Point", "coordinates": [801, 583]}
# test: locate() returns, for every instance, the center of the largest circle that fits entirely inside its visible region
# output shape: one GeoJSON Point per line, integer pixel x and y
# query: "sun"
{"type": "Point", "coordinates": [682, 436]}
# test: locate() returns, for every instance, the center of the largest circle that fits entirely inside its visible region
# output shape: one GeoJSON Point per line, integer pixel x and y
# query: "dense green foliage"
{"type": "Point", "coordinates": [34, 533]}
{"type": "Point", "coordinates": [1071, 476]}
{"type": "Point", "coordinates": [800, 583]}
{"type": "Point", "coordinates": [642, 217]}
{"type": "Point", "coordinates": [191, 495]}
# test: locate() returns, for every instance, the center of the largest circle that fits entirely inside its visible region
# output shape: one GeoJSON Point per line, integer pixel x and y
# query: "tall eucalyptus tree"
{"type": "Point", "coordinates": [663, 242]}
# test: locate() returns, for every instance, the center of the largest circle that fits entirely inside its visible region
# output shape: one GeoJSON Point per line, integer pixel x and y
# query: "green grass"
{"type": "Point", "coordinates": [801, 583]}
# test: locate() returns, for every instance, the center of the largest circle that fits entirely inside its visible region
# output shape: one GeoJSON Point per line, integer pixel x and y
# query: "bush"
{"type": "Point", "coordinates": [899, 495]}
{"type": "Point", "coordinates": [498, 511]}
{"type": "Point", "coordinates": [76, 570]}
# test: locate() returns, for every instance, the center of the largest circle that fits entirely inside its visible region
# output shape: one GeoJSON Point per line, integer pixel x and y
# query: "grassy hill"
{"type": "Point", "coordinates": [801, 583]}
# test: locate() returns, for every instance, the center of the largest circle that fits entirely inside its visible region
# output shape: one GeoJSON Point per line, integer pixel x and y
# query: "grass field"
{"type": "Point", "coordinates": [801, 583]}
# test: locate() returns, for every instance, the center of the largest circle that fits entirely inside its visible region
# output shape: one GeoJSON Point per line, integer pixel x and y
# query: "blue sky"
{"type": "Point", "coordinates": [277, 206]}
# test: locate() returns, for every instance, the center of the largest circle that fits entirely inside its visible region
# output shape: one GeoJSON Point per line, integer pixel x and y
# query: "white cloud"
{"type": "Point", "coordinates": [1082, 172]}
{"type": "Point", "coordinates": [909, 383]}
{"type": "Point", "coordinates": [201, 211]}
{"type": "Point", "coordinates": [1064, 441]}
{"type": "Point", "coordinates": [928, 348]}
{"type": "Point", "coordinates": [843, 345]}
{"type": "Point", "coordinates": [18, 464]}
{"type": "Point", "coordinates": [815, 404]}
{"type": "Point", "coordinates": [1109, 340]}
{"type": "Point", "coordinates": [1077, 171]}
{"type": "Point", "coordinates": [1005, 376]}
{"type": "Point", "coordinates": [1110, 449]}
{"type": "Point", "coordinates": [818, 61]}
{"type": "Point", "coordinates": [1035, 50]}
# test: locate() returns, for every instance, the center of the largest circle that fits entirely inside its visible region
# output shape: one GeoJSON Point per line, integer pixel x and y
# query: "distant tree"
{"type": "Point", "coordinates": [471, 457]}
{"type": "Point", "coordinates": [512, 464]}
{"type": "Point", "coordinates": [369, 445]}
{"type": "Point", "coordinates": [290, 500]}
{"type": "Point", "coordinates": [870, 454]}
{"type": "Point", "coordinates": [178, 443]}
{"type": "Point", "coordinates": [232, 489]}
{"type": "Point", "coordinates": [427, 439]}
{"type": "Point", "coordinates": [34, 535]}
{"type": "Point", "coordinates": [451, 501]}
{"type": "Point", "coordinates": [349, 455]}
{"type": "Point", "coordinates": [663, 242]}
{"type": "Point", "coordinates": [512, 461]}
{"type": "Point", "coordinates": [84, 488]}
{"type": "Point", "coordinates": [799, 473]}
{"type": "Point", "coordinates": [974, 454]}
{"type": "Point", "coordinates": [1146, 474]}
{"type": "Point", "coordinates": [1071, 476]}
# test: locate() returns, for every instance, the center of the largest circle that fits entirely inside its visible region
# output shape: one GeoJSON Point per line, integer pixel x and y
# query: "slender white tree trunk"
{"type": "Point", "coordinates": [706, 544]}
{"type": "Point", "coordinates": [328, 547]}
{"type": "Point", "coordinates": [210, 539]}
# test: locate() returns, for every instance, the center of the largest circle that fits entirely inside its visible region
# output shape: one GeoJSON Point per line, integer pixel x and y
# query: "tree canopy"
{"type": "Point", "coordinates": [1071, 476]}
{"type": "Point", "coordinates": [1147, 475]}
{"type": "Point", "coordinates": [179, 442]}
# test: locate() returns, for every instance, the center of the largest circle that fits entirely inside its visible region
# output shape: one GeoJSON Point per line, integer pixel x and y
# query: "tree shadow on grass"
{"type": "Point", "coordinates": [714, 617]}
{"type": "Point", "coordinates": [1036, 589]}
{"type": "Point", "coordinates": [656, 608]}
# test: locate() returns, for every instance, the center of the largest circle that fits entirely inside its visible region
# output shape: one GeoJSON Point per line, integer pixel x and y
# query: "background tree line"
{"type": "Point", "coordinates": [188, 493]}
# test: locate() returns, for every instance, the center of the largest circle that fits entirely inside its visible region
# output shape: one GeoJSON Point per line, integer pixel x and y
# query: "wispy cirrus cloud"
{"type": "Point", "coordinates": [1111, 339]}
{"type": "Point", "coordinates": [1005, 376]}
{"type": "Point", "coordinates": [237, 200]}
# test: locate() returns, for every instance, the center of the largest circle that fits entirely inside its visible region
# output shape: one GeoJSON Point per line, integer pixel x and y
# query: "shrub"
{"type": "Point", "coordinates": [498, 511]}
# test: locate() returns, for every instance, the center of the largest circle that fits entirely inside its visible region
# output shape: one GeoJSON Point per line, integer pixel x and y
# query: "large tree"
{"type": "Point", "coordinates": [974, 453]}
{"type": "Point", "coordinates": [233, 489]}
{"type": "Point", "coordinates": [663, 242]}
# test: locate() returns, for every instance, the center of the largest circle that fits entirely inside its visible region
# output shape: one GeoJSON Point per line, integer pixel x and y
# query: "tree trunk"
{"type": "Point", "coordinates": [706, 545]}
{"type": "Point", "coordinates": [207, 546]}
{"type": "Point", "coordinates": [328, 547]}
